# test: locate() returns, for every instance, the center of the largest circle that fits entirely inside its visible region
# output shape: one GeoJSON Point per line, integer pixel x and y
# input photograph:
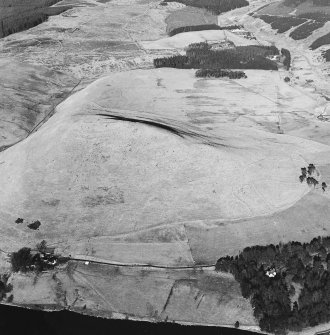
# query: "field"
{"type": "Point", "coordinates": [204, 296]}
{"type": "Point", "coordinates": [177, 210]}
{"type": "Point", "coordinates": [199, 196]}
{"type": "Point", "coordinates": [182, 40]}
{"type": "Point", "coordinates": [141, 172]}
{"type": "Point", "coordinates": [189, 16]}
{"type": "Point", "coordinates": [215, 6]}
{"type": "Point", "coordinates": [309, 216]}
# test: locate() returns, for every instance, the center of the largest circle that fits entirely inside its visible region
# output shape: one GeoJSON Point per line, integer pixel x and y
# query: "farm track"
{"type": "Point", "coordinates": [142, 265]}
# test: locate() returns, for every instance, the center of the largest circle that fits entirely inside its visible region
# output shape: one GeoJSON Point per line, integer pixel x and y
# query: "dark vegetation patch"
{"type": "Point", "coordinates": [34, 225]}
{"type": "Point", "coordinates": [215, 6]}
{"type": "Point", "coordinates": [201, 27]}
{"type": "Point", "coordinates": [19, 220]}
{"type": "Point", "coordinates": [30, 18]}
{"type": "Point", "coordinates": [307, 22]}
{"type": "Point", "coordinates": [5, 288]}
{"type": "Point", "coordinates": [267, 273]}
{"type": "Point", "coordinates": [287, 60]}
{"type": "Point", "coordinates": [306, 30]}
{"type": "Point", "coordinates": [323, 40]}
{"type": "Point", "coordinates": [8, 28]}
{"type": "Point", "coordinates": [40, 259]}
{"type": "Point", "coordinates": [282, 23]}
{"type": "Point", "coordinates": [310, 175]}
{"type": "Point", "coordinates": [326, 55]}
{"type": "Point", "coordinates": [219, 73]}
{"type": "Point", "coordinates": [202, 56]}
{"type": "Point", "coordinates": [294, 3]}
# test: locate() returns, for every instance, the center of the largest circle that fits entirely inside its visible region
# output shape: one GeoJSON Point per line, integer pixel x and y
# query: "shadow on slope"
{"type": "Point", "coordinates": [182, 131]}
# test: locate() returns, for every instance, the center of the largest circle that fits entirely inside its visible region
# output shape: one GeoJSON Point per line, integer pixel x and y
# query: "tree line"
{"type": "Point", "coordinates": [201, 55]}
{"type": "Point", "coordinates": [201, 27]}
{"type": "Point", "coordinates": [214, 6]}
{"type": "Point", "coordinates": [306, 265]}
{"type": "Point", "coordinates": [287, 60]}
{"type": "Point", "coordinates": [219, 73]}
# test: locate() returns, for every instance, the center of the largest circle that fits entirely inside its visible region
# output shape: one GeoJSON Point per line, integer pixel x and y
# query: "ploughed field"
{"type": "Point", "coordinates": [142, 176]}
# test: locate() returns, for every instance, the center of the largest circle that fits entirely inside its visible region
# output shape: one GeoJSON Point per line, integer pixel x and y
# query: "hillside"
{"type": "Point", "coordinates": [17, 15]}
{"type": "Point", "coordinates": [125, 177]}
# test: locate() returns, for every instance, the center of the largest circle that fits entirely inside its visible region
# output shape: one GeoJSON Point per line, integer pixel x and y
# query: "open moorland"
{"type": "Point", "coordinates": [140, 157]}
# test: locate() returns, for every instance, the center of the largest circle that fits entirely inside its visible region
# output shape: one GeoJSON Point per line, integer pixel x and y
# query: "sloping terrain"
{"type": "Point", "coordinates": [145, 177]}
{"type": "Point", "coordinates": [182, 40]}
{"type": "Point", "coordinates": [20, 110]}
{"type": "Point", "coordinates": [71, 49]}
{"type": "Point", "coordinates": [109, 194]}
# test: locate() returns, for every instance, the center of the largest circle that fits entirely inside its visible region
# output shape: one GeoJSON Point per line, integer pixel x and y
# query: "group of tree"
{"type": "Point", "coordinates": [38, 260]}
{"type": "Point", "coordinates": [287, 58]}
{"type": "Point", "coordinates": [202, 56]}
{"type": "Point", "coordinates": [201, 27]}
{"type": "Point", "coordinates": [307, 174]}
{"type": "Point", "coordinates": [5, 287]}
{"type": "Point", "coordinates": [214, 6]}
{"type": "Point", "coordinates": [282, 23]}
{"type": "Point", "coordinates": [219, 73]}
{"type": "Point", "coordinates": [304, 264]}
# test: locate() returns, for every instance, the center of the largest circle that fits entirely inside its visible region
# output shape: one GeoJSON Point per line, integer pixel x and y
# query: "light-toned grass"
{"type": "Point", "coordinates": [189, 16]}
